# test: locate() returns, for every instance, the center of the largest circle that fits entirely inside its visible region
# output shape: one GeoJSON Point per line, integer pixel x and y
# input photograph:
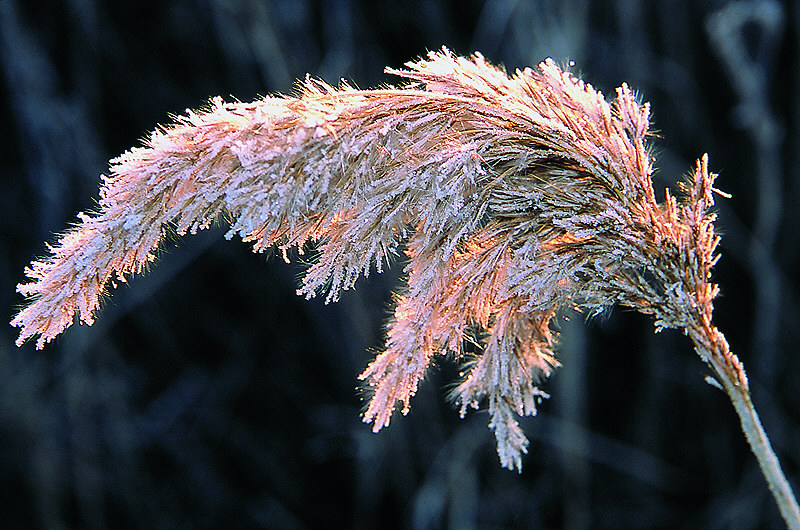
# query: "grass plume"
{"type": "Point", "coordinates": [510, 196]}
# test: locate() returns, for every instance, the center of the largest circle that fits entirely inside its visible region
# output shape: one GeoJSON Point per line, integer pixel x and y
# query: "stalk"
{"type": "Point", "coordinates": [710, 343]}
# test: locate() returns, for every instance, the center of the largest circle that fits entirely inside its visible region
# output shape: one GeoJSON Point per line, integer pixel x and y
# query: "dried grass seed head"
{"type": "Point", "coordinates": [513, 195]}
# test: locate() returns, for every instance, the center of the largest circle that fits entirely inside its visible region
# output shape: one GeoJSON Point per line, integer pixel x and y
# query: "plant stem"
{"type": "Point", "coordinates": [710, 343]}
{"type": "Point", "coordinates": [767, 460]}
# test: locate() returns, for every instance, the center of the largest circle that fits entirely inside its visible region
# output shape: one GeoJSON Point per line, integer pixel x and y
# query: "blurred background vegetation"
{"type": "Point", "coordinates": [209, 394]}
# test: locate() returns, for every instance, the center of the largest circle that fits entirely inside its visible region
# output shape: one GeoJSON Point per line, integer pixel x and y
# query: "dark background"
{"type": "Point", "coordinates": [208, 394]}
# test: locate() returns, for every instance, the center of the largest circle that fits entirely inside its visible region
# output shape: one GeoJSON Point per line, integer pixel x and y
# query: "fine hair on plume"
{"type": "Point", "coordinates": [511, 197]}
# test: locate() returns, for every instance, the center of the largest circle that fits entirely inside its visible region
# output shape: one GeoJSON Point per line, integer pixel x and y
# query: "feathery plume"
{"type": "Point", "coordinates": [511, 196]}
{"type": "Point", "coordinates": [514, 196]}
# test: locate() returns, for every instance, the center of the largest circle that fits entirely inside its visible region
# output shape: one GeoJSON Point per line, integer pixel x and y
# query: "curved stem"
{"type": "Point", "coordinates": [712, 347]}
{"type": "Point", "coordinates": [767, 460]}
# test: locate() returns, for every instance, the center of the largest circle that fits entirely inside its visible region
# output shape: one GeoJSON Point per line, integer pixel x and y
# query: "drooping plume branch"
{"type": "Point", "coordinates": [511, 196]}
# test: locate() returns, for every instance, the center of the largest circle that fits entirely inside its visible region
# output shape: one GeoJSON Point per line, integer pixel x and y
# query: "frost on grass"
{"type": "Point", "coordinates": [510, 196]}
